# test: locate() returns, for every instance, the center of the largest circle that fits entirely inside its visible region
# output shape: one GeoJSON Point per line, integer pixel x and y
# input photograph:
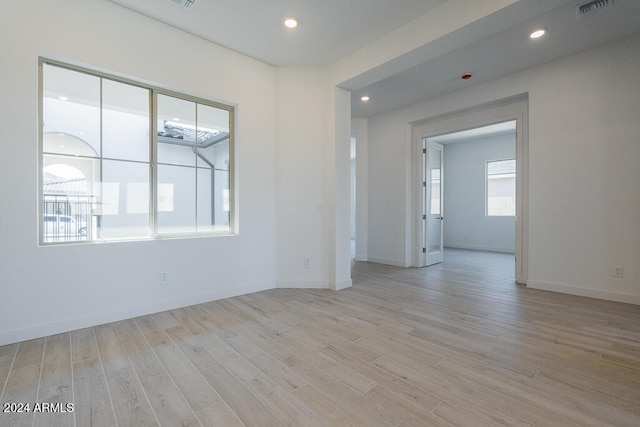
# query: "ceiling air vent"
{"type": "Point", "coordinates": [184, 3]}
{"type": "Point", "coordinates": [593, 6]}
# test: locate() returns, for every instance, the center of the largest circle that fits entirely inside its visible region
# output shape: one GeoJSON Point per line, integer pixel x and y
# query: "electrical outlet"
{"type": "Point", "coordinates": [618, 271]}
{"type": "Point", "coordinates": [307, 262]}
{"type": "Point", "coordinates": [163, 278]}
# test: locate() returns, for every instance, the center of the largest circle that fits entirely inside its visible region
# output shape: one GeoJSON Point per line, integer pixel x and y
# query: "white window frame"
{"type": "Point", "coordinates": [487, 180]}
{"type": "Point", "coordinates": [153, 158]}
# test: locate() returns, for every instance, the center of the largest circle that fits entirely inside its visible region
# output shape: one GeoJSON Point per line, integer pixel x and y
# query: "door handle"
{"type": "Point", "coordinates": [440, 218]}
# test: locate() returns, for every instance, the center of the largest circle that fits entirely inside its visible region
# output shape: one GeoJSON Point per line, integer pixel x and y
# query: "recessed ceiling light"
{"type": "Point", "coordinates": [176, 119]}
{"type": "Point", "coordinates": [63, 98]}
{"type": "Point", "coordinates": [365, 98]}
{"type": "Point", "coordinates": [291, 22]}
{"type": "Point", "coordinates": [536, 34]}
{"type": "Point", "coordinates": [466, 76]}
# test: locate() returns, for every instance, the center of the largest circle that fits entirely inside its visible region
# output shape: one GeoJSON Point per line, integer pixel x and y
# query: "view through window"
{"type": "Point", "coordinates": [501, 187]}
{"type": "Point", "coordinates": [121, 160]}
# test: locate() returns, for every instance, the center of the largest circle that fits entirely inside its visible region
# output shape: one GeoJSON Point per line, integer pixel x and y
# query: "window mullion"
{"type": "Point", "coordinates": [197, 159]}
{"type": "Point", "coordinates": [101, 203]}
{"type": "Point", "coordinates": [153, 164]}
{"type": "Point", "coordinates": [99, 127]}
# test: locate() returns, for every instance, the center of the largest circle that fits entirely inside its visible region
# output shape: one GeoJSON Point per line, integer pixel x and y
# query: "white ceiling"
{"type": "Point", "coordinates": [472, 134]}
{"type": "Point", "coordinates": [503, 52]}
{"type": "Point", "coordinates": [329, 30]}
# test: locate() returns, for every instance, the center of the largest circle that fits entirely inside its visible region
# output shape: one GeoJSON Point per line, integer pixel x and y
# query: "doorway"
{"type": "Point", "coordinates": [433, 182]}
{"type": "Point", "coordinates": [480, 190]}
{"type": "Point", "coordinates": [514, 110]}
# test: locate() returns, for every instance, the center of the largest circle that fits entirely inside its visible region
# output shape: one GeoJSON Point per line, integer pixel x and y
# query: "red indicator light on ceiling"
{"type": "Point", "coordinates": [466, 76]}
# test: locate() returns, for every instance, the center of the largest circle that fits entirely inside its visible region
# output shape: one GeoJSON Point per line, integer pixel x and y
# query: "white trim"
{"type": "Point", "coordinates": [302, 284]}
{"type": "Point", "coordinates": [584, 292]}
{"type": "Point", "coordinates": [46, 329]}
{"type": "Point", "coordinates": [313, 284]}
{"type": "Point", "coordinates": [425, 189]}
{"type": "Point", "coordinates": [359, 128]}
{"type": "Point", "coordinates": [338, 286]}
{"type": "Point", "coordinates": [479, 248]}
{"type": "Point", "coordinates": [152, 161]}
{"type": "Point", "coordinates": [514, 108]}
{"type": "Point", "coordinates": [394, 262]}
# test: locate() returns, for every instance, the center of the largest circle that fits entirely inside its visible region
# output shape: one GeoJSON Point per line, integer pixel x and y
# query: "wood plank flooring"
{"type": "Point", "coordinates": [456, 344]}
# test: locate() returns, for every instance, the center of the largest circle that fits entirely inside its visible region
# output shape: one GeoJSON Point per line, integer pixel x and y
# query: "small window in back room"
{"type": "Point", "coordinates": [501, 187]}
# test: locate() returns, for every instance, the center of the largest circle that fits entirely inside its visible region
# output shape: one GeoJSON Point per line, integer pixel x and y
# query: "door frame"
{"type": "Point", "coordinates": [515, 108]}
{"type": "Point", "coordinates": [426, 198]}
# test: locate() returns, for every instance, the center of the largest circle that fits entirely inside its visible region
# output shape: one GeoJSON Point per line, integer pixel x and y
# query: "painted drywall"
{"type": "Point", "coordinates": [359, 132]}
{"type": "Point", "coordinates": [465, 223]}
{"type": "Point", "coordinates": [338, 175]}
{"type": "Point", "coordinates": [302, 209]}
{"type": "Point", "coordinates": [352, 186]}
{"type": "Point", "coordinates": [584, 151]}
{"type": "Point", "coordinates": [389, 161]}
{"type": "Point", "coordinates": [46, 290]}
{"type": "Point", "coordinates": [413, 43]}
{"type": "Point", "coordinates": [313, 169]}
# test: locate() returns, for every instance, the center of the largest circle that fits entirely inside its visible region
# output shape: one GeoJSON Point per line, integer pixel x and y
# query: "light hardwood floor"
{"type": "Point", "coordinates": [454, 344]}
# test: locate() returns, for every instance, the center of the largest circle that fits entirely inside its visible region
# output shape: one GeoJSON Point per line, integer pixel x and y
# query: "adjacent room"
{"type": "Point", "coordinates": [418, 212]}
{"type": "Point", "coordinates": [471, 183]}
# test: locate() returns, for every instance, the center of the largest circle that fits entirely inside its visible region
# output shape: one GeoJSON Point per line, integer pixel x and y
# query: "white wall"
{"type": "Point", "coordinates": [313, 169]}
{"type": "Point", "coordinates": [465, 223]}
{"type": "Point", "coordinates": [584, 128]}
{"type": "Point", "coordinates": [389, 156]}
{"type": "Point", "coordinates": [292, 164]}
{"type": "Point", "coordinates": [352, 182]}
{"type": "Point", "coordinates": [46, 290]}
{"type": "Point", "coordinates": [302, 228]}
{"type": "Point", "coordinates": [339, 194]}
{"type": "Point", "coordinates": [359, 131]}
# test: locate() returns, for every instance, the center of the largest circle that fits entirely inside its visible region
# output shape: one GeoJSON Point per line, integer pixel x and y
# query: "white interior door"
{"type": "Point", "coordinates": [433, 184]}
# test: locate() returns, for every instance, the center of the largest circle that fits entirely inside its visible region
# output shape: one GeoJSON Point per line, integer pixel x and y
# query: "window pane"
{"type": "Point", "coordinates": [221, 155]}
{"type": "Point", "coordinates": [501, 167]}
{"type": "Point", "coordinates": [435, 192]}
{"type": "Point", "coordinates": [213, 200]}
{"type": "Point", "coordinates": [67, 198]}
{"type": "Point", "coordinates": [176, 199]}
{"type": "Point", "coordinates": [97, 153]}
{"type": "Point", "coordinates": [221, 200]}
{"type": "Point", "coordinates": [123, 200]}
{"type": "Point", "coordinates": [501, 188]}
{"type": "Point", "coordinates": [206, 207]}
{"type": "Point", "coordinates": [213, 130]}
{"type": "Point", "coordinates": [70, 112]}
{"type": "Point", "coordinates": [176, 131]}
{"type": "Point", "coordinates": [125, 121]}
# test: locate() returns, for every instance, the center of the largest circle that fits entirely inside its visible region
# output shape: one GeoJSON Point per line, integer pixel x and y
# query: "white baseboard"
{"type": "Point", "coordinates": [361, 258]}
{"type": "Point", "coordinates": [46, 329]}
{"type": "Point", "coordinates": [583, 292]}
{"type": "Point", "coordinates": [338, 286]}
{"type": "Point", "coordinates": [394, 262]}
{"type": "Point", "coordinates": [480, 248]}
{"type": "Point", "coordinates": [302, 284]}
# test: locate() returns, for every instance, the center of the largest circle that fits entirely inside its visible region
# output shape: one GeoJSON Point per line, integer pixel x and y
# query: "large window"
{"type": "Point", "coordinates": [501, 188]}
{"type": "Point", "coordinates": [123, 160]}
